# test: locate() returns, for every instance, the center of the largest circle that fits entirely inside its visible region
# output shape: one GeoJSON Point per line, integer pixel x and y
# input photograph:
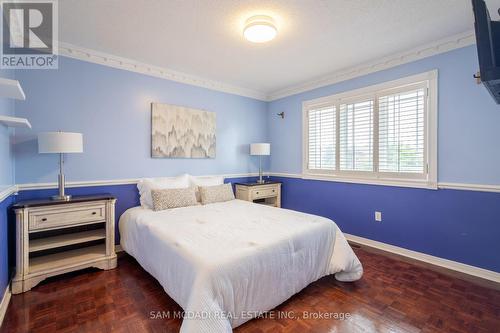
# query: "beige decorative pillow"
{"type": "Point", "coordinates": [217, 193]}
{"type": "Point", "coordinates": [173, 198]}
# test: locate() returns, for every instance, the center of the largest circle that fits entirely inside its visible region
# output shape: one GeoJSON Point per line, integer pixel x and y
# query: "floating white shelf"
{"type": "Point", "coordinates": [11, 89]}
{"type": "Point", "coordinates": [14, 122]}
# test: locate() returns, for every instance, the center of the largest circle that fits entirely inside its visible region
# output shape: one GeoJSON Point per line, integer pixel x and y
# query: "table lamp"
{"type": "Point", "coordinates": [260, 149]}
{"type": "Point", "coordinates": [60, 143]}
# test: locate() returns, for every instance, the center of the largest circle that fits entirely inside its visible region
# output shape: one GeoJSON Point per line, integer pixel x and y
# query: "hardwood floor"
{"type": "Point", "coordinates": [392, 296]}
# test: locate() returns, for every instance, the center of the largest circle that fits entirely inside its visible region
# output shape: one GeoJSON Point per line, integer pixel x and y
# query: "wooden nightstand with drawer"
{"type": "Point", "coordinates": [56, 237]}
{"type": "Point", "coordinates": [266, 193]}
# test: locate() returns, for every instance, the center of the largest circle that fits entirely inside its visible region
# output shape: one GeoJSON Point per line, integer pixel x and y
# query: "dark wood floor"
{"type": "Point", "coordinates": [392, 296]}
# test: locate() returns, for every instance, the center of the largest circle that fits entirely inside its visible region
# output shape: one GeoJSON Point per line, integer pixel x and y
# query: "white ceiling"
{"type": "Point", "coordinates": [315, 37]}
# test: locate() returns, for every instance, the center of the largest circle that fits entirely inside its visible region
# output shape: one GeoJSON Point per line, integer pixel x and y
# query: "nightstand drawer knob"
{"type": "Point", "coordinates": [44, 219]}
{"type": "Point", "coordinates": [256, 192]}
{"type": "Point", "coordinates": [94, 213]}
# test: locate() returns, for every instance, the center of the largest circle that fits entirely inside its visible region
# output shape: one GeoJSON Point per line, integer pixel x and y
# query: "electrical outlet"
{"type": "Point", "coordinates": [378, 216]}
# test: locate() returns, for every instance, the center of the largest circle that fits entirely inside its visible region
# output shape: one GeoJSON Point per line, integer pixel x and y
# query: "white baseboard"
{"type": "Point", "coordinates": [118, 248]}
{"type": "Point", "coordinates": [5, 303]}
{"type": "Point", "coordinates": [445, 263]}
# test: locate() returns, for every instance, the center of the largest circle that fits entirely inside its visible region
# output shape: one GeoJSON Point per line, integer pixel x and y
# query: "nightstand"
{"type": "Point", "coordinates": [267, 193]}
{"type": "Point", "coordinates": [56, 237]}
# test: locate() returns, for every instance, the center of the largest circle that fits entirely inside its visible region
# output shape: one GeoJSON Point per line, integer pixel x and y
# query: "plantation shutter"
{"type": "Point", "coordinates": [356, 136]}
{"type": "Point", "coordinates": [322, 138]}
{"type": "Point", "coordinates": [402, 132]}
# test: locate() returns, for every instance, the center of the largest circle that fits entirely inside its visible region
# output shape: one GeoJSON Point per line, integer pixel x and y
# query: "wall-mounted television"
{"type": "Point", "coordinates": [488, 48]}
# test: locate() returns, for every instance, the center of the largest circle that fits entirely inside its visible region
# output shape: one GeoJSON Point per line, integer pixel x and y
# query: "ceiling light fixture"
{"type": "Point", "coordinates": [260, 29]}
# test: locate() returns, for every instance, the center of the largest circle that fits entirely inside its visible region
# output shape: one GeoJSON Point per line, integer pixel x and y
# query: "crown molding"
{"type": "Point", "coordinates": [424, 51]}
{"type": "Point", "coordinates": [106, 59]}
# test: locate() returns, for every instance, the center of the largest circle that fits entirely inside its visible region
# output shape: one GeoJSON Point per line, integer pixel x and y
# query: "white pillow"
{"type": "Point", "coordinates": [198, 181]}
{"type": "Point", "coordinates": [145, 186]}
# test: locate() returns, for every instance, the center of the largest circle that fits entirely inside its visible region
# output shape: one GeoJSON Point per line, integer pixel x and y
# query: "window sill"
{"type": "Point", "coordinates": [425, 184]}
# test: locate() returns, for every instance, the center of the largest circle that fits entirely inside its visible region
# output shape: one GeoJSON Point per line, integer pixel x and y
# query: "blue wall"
{"type": "Point", "coordinates": [469, 119]}
{"type": "Point", "coordinates": [458, 225]}
{"type": "Point", "coordinates": [111, 107]}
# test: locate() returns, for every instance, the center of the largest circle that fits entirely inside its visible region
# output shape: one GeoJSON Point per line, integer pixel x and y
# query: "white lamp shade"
{"type": "Point", "coordinates": [260, 149]}
{"type": "Point", "coordinates": [60, 142]}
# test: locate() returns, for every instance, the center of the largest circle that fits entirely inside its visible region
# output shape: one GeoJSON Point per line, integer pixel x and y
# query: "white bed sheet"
{"type": "Point", "coordinates": [224, 262]}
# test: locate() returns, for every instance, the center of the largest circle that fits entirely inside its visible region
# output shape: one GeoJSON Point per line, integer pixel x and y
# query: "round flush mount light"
{"type": "Point", "coordinates": [260, 29]}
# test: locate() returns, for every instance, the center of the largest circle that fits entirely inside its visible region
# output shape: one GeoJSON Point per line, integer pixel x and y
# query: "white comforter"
{"type": "Point", "coordinates": [224, 262]}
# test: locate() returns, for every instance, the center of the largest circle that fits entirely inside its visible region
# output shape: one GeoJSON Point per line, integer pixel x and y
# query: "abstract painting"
{"type": "Point", "coordinates": [181, 132]}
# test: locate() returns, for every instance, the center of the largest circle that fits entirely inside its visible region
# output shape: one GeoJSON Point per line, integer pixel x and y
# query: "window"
{"type": "Point", "coordinates": [384, 134]}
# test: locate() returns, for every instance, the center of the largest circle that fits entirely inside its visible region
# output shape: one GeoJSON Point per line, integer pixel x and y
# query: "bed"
{"type": "Point", "coordinates": [227, 262]}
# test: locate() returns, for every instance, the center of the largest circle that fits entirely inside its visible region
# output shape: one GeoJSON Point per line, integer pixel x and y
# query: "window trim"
{"type": "Point", "coordinates": [429, 180]}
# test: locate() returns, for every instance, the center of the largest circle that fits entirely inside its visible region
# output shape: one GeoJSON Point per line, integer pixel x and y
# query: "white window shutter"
{"type": "Point", "coordinates": [356, 136]}
{"type": "Point", "coordinates": [402, 132]}
{"type": "Point", "coordinates": [321, 138]}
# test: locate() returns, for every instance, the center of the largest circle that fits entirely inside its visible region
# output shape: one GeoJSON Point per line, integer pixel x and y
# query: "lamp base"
{"type": "Point", "coordinates": [261, 181]}
{"type": "Point", "coordinates": [61, 197]}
